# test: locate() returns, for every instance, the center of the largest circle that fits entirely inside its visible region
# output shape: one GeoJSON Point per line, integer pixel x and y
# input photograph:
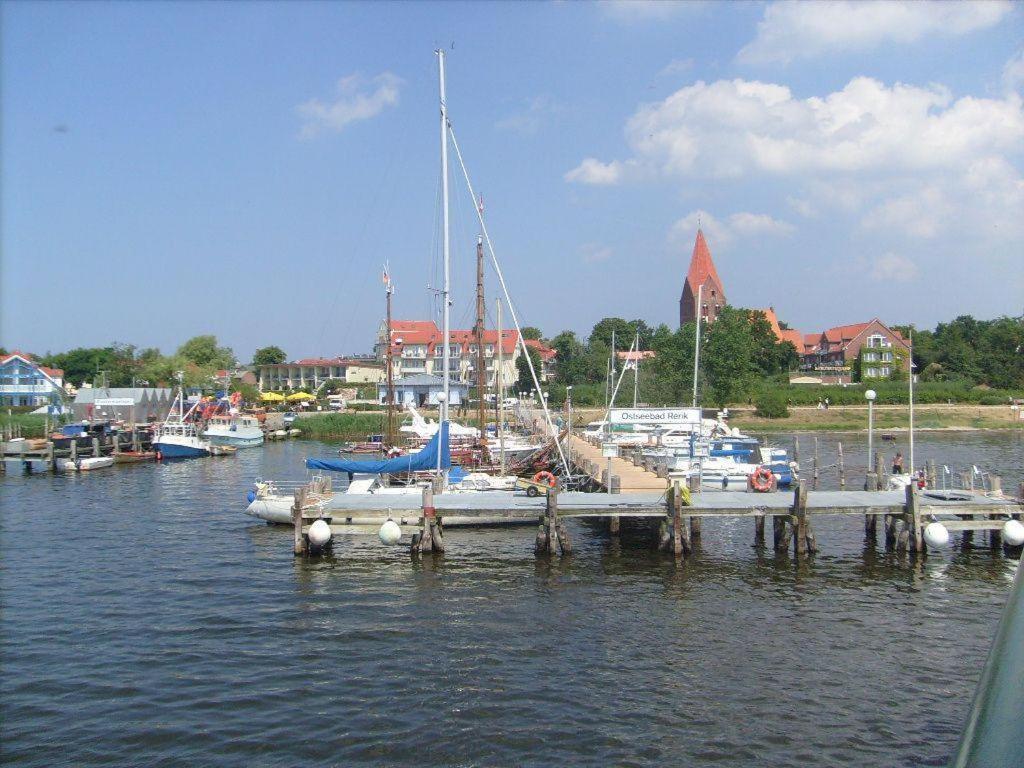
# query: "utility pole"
{"type": "Point", "coordinates": [481, 370]}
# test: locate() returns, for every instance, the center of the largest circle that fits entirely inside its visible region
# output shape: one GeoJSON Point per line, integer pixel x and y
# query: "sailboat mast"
{"type": "Point", "coordinates": [445, 327]}
{"type": "Point", "coordinates": [481, 370]}
{"type": "Point", "coordinates": [696, 346]}
{"type": "Point", "coordinates": [910, 372]}
{"type": "Point", "coordinates": [636, 370]}
{"type": "Point", "coordinates": [499, 380]}
{"type": "Point", "coordinates": [390, 428]}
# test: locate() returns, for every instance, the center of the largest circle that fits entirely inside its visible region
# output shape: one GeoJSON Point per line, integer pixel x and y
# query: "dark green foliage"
{"type": "Point", "coordinates": [532, 333]}
{"type": "Point", "coordinates": [771, 404]}
{"type": "Point", "coordinates": [269, 356]}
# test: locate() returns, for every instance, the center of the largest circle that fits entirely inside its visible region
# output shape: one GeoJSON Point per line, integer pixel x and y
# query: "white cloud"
{"type": "Point", "coordinates": [723, 232]}
{"type": "Point", "coordinates": [634, 11]}
{"type": "Point", "coordinates": [891, 267]}
{"type": "Point", "coordinates": [594, 253]}
{"type": "Point", "coordinates": [676, 67]}
{"type": "Point", "coordinates": [592, 171]}
{"type": "Point", "coordinates": [790, 29]}
{"type": "Point", "coordinates": [357, 98]}
{"type": "Point", "coordinates": [1013, 72]}
{"type": "Point", "coordinates": [729, 128]}
{"type": "Point", "coordinates": [530, 118]}
{"type": "Point", "coordinates": [759, 224]}
{"type": "Point", "coordinates": [904, 159]}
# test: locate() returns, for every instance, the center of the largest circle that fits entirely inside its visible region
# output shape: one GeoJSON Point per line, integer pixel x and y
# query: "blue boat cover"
{"type": "Point", "coordinates": [426, 459]}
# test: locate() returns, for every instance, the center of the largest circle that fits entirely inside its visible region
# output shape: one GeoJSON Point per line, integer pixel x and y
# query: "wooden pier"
{"type": "Point", "coordinates": [676, 512]}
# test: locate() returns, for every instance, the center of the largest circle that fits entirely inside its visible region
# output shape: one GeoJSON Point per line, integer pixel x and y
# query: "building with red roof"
{"type": "Point", "coordinates": [831, 354]}
{"type": "Point", "coordinates": [417, 347]}
{"type": "Point", "coordinates": [701, 281]}
{"type": "Point", "coordinates": [24, 382]}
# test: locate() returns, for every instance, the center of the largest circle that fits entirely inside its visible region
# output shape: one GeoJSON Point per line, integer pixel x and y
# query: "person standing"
{"type": "Point", "coordinates": [897, 464]}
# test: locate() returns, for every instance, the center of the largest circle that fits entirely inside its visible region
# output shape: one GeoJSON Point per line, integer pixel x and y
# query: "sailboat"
{"type": "Point", "coordinates": [176, 437]}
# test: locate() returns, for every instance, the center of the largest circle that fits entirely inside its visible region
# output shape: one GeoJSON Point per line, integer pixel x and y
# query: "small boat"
{"type": "Point", "coordinates": [132, 457]}
{"type": "Point", "coordinates": [223, 450]}
{"type": "Point", "coordinates": [235, 429]}
{"type": "Point", "coordinates": [85, 463]}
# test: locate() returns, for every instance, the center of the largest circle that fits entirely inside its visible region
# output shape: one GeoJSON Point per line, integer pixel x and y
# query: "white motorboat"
{"type": "Point", "coordinates": [234, 429]}
{"type": "Point", "coordinates": [84, 463]}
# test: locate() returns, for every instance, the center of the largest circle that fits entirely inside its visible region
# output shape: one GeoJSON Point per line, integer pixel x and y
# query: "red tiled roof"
{"type": "Point", "coordinates": [51, 372]}
{"type": "Point", "coordinates": [701, 265]}
{"type": "Point", "coordinates": [426, 332]}
{"type": "Point", "coordinates": [791, 335]}
{"type": "Point", "coordinates": [794, 337]}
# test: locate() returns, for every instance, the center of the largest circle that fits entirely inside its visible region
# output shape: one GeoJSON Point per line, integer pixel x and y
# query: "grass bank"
{"type": "Point", "coordinates": [850, 418]}
{"type": "Point", "coordinates": [31, 425]}
{"type": "Point", "coordinates": [890, 418]}
{"type": "Point", "coordinates": [340, 426]}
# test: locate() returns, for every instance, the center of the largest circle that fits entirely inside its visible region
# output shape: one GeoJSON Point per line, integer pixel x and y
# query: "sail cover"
{"type": "Point", "coordinates": [426, 459]}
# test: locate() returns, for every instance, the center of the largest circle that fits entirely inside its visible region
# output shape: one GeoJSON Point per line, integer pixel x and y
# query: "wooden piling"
{"type": "Point", "coordinates": [614, 525]}
{"type": "Point", "coordinates": [759, 530]}
{"type": "Point", "coordinates": [301, 546]}
{"type": "Point", "coordinates": [890, 531]}
{"type": "Point", "coordinates": [842, 468]}
{"type": "Point", "coordinates": [879, 471]}
{"type": "Point", "coordinates": [96, 447]}
{"type": "Point", "coordinates": [871, 527]}
{"type": "Point", "coordinates": [430, 538]}
{"type": "Point", "coordinates": [815, 462]}
{"type": "Point", "coordinates": [779, 540]}
{"type": "Point", "coordinates": [929, 470]}
{"type": "Point", "coordinates": [912, 523]}
{"type": "Point", "coordinates": [803, 537]}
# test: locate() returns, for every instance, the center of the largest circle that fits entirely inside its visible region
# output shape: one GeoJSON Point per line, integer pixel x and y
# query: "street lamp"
{"type": "Point", "coordinates": [870, 397]}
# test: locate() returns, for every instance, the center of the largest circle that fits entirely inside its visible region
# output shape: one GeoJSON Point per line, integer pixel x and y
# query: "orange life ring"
{"type": "Point", "coordinates": [762, 480]}
{"type": "Point", "coordinates": [546, 478]}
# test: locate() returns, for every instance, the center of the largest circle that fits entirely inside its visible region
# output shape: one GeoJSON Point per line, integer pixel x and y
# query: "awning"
{"type": "Point", "coordinates": [300, 396]}
{"type": "Point", "coordinates": [271, 397]}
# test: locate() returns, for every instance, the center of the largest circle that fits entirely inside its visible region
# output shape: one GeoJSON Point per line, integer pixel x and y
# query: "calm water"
{"type": "Point", "coordinates": [147, 621]}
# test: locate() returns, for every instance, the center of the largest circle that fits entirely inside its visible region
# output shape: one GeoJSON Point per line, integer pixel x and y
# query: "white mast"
{"type": "Point", "coordinates": [910, 371]}
{"type": "Point", "coordinates": [636, 370]}
{"type": "Point", "coordinates": [500, 389]}
{"type": "Point", "coordinates": [696, 346]}
{"type": "Point", "coordinates": [445, 329]}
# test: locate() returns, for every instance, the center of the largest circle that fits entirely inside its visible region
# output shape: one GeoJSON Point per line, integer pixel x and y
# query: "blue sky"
{"type": "Point", "coordinates": [245, 169]}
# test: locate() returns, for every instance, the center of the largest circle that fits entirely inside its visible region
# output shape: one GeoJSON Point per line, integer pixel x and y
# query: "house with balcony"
{"type": "Point", "coordinates": [310, 373]}
{"type": "Point", "coordinates": [417, 348]}
{"type": "Point", "coordinates": [24, 382]}
{"type": "Point", "coordinates": [833, 355]}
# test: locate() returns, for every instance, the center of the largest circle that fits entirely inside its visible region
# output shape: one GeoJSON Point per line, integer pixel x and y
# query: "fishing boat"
{"type": "Point", "coordinates": [176, 437]}
{"type": "Point", "coordinates": [234, 429]}
{"type": "Point", "coordinates": [134, 457]}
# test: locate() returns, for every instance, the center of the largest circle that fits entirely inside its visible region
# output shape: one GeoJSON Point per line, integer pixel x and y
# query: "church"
{"type": "Point", "coordinates": [702, 286]}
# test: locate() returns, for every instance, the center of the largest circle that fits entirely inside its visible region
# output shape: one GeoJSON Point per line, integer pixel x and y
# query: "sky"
{"type": "Point", "coordinates": [245, 169]}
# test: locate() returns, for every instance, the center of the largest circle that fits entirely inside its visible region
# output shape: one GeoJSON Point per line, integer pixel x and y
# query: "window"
{"type": "Point", "coordinates": [870, 357]}
{"type": "Point", "coordinates": [887, 357]}
{"type": "Point", "coordinates": [886, 370]}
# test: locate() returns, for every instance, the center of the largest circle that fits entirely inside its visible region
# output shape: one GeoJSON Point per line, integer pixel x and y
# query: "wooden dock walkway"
{"type": "Point", "coordinates": [626, 476]}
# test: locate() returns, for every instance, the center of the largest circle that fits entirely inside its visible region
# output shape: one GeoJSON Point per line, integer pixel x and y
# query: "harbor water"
{"type": "Point", "coordinates": [147, 621]}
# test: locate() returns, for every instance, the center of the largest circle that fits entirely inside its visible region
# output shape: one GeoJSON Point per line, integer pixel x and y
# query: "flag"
{"type": "Point", "coordinates": [387, 278]}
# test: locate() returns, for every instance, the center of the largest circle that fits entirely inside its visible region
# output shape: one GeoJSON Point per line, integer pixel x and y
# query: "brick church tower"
{"type": "Point", "coordinates": [702, 273]}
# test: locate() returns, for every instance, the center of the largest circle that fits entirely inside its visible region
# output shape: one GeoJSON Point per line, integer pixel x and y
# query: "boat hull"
{"type": "Point", "coordinates": [241, 441]}
{"type": "Point", "coordinates": [174, 450]}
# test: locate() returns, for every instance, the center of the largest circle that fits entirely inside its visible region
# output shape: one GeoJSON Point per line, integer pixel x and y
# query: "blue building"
{"type": "Point", "coordinates": [422, 389]}
{"type": "Point", "coordinates": [23, 382]}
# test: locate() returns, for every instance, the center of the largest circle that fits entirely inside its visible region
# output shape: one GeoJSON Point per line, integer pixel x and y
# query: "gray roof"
{"type": "Point", "coordinates": [138, 394]}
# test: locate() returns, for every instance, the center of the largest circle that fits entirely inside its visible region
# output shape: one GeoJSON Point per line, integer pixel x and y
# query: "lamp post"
{"type": "Point", "coordinates": [870, 397]}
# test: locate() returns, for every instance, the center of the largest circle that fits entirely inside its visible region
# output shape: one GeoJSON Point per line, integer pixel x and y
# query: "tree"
{"type": "Point", "coordinates": [570, 357]}
{"type": "Point", "coordinates": [204, 352]}
{"type": "Point", "coordinates": [625, 330]}
{"type": "Point", "coordinates": [525, 381]}
{"type": "Point", "coordinates": [269, 356]}
{"type": "Point", "coordinates": [530, 333]}
{"type": "Point", "coordinates": [729, 354]}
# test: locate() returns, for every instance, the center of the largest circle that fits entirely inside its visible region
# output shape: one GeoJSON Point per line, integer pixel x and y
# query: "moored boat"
{"type": "Point", "coordinates": [176, 437]}
{"type": "Point", "coordinates": [85, 463]}
{"type": "Point", "coordinates": [234, 429]}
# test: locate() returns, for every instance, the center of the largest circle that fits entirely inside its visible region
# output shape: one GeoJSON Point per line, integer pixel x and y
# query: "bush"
{"type": "Point", "coordinates": [771, 404]}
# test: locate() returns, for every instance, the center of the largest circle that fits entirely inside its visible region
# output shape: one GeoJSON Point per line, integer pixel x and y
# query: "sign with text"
{"type": "Point", "coordinates": [655, 416]}
{"type": "Point", "coordinates": [610, 451]}
{"type": "Point", "coordinates": [114, 402]}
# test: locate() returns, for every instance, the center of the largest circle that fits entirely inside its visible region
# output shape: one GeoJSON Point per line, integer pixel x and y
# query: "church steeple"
{"type": "Point", "coordinates": [702, 272]}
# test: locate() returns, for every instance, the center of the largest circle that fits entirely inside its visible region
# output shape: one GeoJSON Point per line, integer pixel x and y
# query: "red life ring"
{"type": "Point", "coordinates": [762, 480]}
{"type": "Point", "coordinates": [546, 478]}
